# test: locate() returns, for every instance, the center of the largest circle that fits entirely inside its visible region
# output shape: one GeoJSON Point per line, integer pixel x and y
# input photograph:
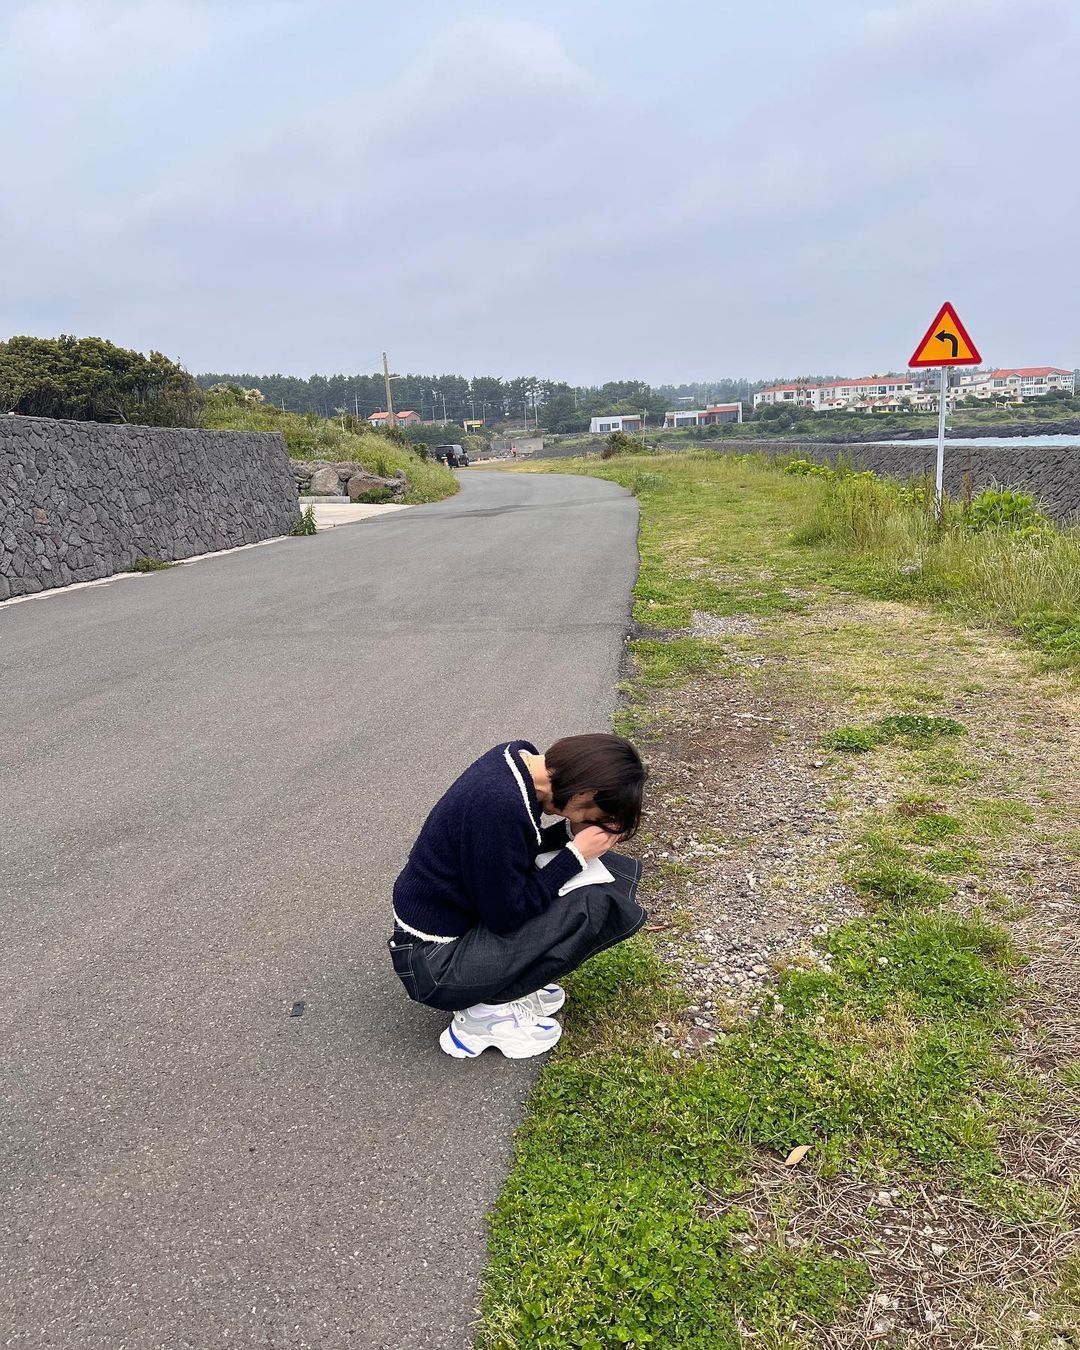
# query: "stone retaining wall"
{"type": "Point", "coordinates": [1052, 474]}
{"type": "Point", "coordinates": [82, 500]}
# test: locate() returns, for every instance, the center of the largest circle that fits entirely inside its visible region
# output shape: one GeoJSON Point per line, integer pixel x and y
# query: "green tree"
{"type": "Point", "coordinates": [559, 413]}
{"type": "Point", "coordinates": [91, 380]}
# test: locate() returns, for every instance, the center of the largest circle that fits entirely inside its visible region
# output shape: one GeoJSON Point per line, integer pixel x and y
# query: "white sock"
{"type": "Point", "coordinates": [489, 1010]}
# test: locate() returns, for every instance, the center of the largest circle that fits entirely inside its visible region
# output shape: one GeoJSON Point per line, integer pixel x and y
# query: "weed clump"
{"type": "Point", "coordinates": [916, 728]}
{"type": "Point", "coordinates": [911, 729]}
{"type": "Point", "coordinates": [306, 524]}
{"type": "Point", "coordinates": [850, 740]}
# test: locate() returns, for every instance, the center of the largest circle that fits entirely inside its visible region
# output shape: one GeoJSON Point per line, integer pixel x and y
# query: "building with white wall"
{"type": "Point", "coordinates": [628, 423]}
{"type": "Point", "coordinates": [918, 392]}
{"type": "Point", "coordinates": [1016, 383]}
{"type": "Point", "coordinates": [709, 416]}
{"type": "Point", "coordinates": [801, 395]}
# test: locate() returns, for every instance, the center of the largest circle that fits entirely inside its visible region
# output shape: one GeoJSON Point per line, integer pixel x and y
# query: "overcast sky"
{"type": "Point", "coordinates": [677, 190]}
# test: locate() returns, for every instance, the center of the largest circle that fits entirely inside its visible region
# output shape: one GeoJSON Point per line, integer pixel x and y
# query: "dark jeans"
{"type": "Point", "coordinates": [486, 967]}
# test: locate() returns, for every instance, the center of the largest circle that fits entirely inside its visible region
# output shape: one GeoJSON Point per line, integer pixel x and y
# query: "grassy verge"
{"type": "Point", "coordinates": [997, 558]}
{"type": "Point", "coordinates": [836, 1163]}
{"type": "Point", "coordinates": [312, 437]}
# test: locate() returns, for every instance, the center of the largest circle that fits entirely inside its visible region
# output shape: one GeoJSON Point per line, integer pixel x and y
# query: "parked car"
{"type": "Point", "coordinates": [451, 455]}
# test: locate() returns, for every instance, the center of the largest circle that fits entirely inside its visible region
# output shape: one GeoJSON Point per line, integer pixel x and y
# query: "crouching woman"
{"type": "Point", "coordinates": [493, 908]}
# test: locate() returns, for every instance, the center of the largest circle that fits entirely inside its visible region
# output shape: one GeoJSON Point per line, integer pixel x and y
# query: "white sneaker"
{"type": "Point", "coordinates": [547, 1001]}
{"type": "Point", "coordinates": [519, 1032]}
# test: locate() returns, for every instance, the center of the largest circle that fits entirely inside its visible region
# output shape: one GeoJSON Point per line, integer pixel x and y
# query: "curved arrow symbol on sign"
{"type": "Point", "coordinates": [949, 337]}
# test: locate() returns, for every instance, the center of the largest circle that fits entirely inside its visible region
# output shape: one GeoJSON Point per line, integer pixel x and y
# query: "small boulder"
{"type": "Point", "coordinates": [324, 482]}
{"type": "Point", "coordinates": [360, 483]}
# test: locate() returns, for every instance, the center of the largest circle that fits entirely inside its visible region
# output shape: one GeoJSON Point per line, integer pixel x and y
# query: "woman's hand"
{"type": "Point", "coordinates": [593, 842]}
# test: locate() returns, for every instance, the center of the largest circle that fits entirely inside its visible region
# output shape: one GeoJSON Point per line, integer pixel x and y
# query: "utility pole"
{"type": "Point", "coordinates": [391, 419]}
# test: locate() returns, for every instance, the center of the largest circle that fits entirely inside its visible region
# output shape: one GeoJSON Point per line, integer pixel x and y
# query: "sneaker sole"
{"type": "Point", "coordinates": [478, 1044]}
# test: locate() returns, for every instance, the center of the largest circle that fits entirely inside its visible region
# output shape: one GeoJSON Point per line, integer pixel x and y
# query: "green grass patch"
{"type": "Point", "coordinates": [923, 965]}
{"type": "Point", "coordinates": [934, 826]}
{"type": "Point", "coordinates": [941, 768]}
{"type": "Point", "coordinates": [672, 662]}
{"type": "Point", "coordinates": [150, 565]}
{"type": "Point", "coordinates": [999, 817]}
{"type": "Point", "coordinates": [909, 729]}
{"type": "Point", "coordinates": [915, 728]}
{"type": "Point", "coordinates": [615, 1227]}
{"type": "Point", "coordinates": [962, 860]}
{"type": "Point", "coordinates": [850, 740]}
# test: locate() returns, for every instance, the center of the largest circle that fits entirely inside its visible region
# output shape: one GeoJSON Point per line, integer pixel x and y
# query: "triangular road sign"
{"type": "Point", "coordinates": [946, 342]}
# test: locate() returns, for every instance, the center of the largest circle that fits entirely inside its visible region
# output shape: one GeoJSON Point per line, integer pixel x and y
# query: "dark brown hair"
{"type": "Point", "coordinates": [602, 764]}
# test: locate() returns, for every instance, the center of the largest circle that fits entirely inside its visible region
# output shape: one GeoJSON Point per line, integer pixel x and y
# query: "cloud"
{"type": "Point", "coordinates": [495, 195]}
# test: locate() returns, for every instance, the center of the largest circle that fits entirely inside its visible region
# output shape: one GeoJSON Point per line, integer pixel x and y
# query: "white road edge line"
{"type": "Point", "coordinates": [134, 576]}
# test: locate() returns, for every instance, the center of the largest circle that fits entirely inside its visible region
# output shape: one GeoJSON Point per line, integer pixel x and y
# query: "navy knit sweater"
{"type": "Point", "coordinates": [475, 860]}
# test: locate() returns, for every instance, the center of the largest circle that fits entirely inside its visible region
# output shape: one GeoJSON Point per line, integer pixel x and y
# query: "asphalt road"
{"type": "Point", "coordinates": [208, 779]}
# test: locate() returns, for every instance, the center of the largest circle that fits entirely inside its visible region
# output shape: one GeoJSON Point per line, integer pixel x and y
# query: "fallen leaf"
{"type": "Point", "coordinates": [796, 1155]}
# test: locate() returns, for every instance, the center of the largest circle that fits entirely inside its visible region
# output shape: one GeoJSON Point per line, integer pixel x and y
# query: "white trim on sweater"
{"type": "Point", "coordinates": [524, 794]}
{"type": "Point", "coordinates": [424, 937]}
{"type": "Point", "coordinates": [577, 854]}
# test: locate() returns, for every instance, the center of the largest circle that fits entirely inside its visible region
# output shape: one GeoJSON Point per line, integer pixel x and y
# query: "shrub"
{"type": "Point", "coordinates": [619, 443]}
{"type": "Point", "coordinates": [1003, 509]}
{"type": "Point", "coordinates": [807, 468]}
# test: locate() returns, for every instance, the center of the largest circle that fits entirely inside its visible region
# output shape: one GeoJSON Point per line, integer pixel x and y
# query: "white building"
{"type": "Point", "coordinates": [892, 393]}
{"type": "Point", "coordinates": [628, 422]}
{"type": "Point", "coordinates": [800, 395]}
{"type": "Point", "coordinates": [869, 393]}
{"type": "Point", "coordinates": [704, 417]}
{"type": "Point", "coordinates": [872, 393]}
{"type": "Point", "coordinates": [1017, 384]}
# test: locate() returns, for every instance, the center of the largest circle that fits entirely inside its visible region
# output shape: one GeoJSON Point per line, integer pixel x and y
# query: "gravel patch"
{"type": "Point", "coordinates": [722, 625]}
{"type": "Point", "coordinates": [739, 848]}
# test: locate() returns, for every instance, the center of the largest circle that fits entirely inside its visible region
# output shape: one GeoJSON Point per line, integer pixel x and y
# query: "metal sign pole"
{"type": "Point", "coordinates": [943, 393]}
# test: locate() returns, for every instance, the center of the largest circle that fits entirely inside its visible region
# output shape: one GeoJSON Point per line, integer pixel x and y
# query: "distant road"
{"type": "Point", "coordinates": [210, 777]}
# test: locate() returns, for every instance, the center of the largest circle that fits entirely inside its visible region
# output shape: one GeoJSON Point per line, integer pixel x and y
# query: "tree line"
{"type": "Point", "coordinates": [91, 379]}
{"type": "Point", "coordinates": [527, 400]}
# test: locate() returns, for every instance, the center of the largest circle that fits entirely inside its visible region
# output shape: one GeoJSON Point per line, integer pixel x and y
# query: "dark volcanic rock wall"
{"type": "Point", "coordinates": [81, 500]}
{"type": "Point", "coordinates": [1052, 474]}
